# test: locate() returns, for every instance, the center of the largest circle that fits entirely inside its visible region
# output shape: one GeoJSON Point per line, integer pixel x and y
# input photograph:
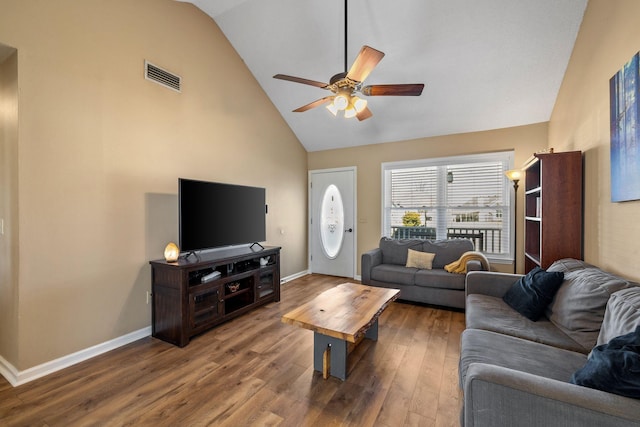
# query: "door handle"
{"type": "Point", "coordinates": [350, 230]}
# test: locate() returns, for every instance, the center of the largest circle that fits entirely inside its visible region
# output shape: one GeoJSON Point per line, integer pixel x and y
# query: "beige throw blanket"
{"type": "Point", "coordinates": [460, 266]}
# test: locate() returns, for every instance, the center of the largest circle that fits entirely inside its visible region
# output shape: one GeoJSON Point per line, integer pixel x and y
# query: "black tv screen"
{"type": "Point", "coordinates": [213, 214]}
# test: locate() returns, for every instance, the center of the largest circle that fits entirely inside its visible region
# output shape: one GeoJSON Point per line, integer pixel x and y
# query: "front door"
{"type": "Point", "coordinates": [332, 214]}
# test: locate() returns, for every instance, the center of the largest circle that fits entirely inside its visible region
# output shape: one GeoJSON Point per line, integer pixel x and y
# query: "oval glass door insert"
{"type": "Point", "coordinates": [331, 222]}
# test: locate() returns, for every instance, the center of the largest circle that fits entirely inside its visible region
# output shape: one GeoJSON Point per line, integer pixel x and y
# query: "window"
{"type": "Point", "coordinates": [462, 196]}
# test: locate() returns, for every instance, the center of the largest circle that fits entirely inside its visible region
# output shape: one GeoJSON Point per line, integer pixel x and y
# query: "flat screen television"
{"type": "Point", "coordinates": [213, 214]}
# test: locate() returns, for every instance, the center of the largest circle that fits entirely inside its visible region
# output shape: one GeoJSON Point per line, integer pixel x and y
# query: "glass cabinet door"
{"type": "Point", "coordinates": [206, 306]}
{"type": "Point", "coordinates": [266, 285]}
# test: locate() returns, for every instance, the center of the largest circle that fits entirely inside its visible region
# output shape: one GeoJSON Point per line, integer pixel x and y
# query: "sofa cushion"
{"type": "Point", "coordinates": [446, 251]}
{"type": "Point", "coordinates": [514, 353]}
{"type": "Point", "coordinates": [622, 315]}
{"type": "Point", "coordinates": [439, 279]}
{"type": "Point", "coordinates": [532, 293]}
{"type": "Point", "coordinates": [417, 259]}
{"type": "Point", "coordinates": [569, 264]}
{"type": "Point", "coordinates": [491, 313]}
{"type": "Point", "coordinates": [394, 251]}
{"type": "Point", "coordinates": [579, 305]}
{"type": "Point", "coordinates": [390, 273]}
{"type": "Point", "coordinates": [613, 367]}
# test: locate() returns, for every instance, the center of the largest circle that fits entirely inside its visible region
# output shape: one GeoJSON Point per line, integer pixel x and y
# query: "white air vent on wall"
{"type": "Point", "coordinates": [162, 77]}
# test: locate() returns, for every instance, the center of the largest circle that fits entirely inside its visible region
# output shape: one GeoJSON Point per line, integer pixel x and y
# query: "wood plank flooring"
{"type": "Point", "coordinates": [257, 371]}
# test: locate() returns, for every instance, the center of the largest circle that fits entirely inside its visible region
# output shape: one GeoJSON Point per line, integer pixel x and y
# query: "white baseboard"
{"type": "Point", "coordinates": [293, 276]}
{"type": "Point", "coordinates": [17, 378]}
{"type": "Point", "coordinates": [304, 273]}
{"type": "Point", "coordinates": [8, 371]}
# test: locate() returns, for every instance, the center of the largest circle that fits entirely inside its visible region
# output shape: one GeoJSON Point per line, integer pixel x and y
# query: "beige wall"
{"type": "Point", "coordinates": [608, 38]}
{"type": "Point", "coordinates": [93, 163]}
{"type": "Point", "coordinates": [524, 140]}
{"type": "Point", "coordinates": [8, 202]}
{"type": "Point", "coordinates": [100, 151]}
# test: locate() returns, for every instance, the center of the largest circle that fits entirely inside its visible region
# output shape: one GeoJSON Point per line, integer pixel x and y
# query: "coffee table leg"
{"type": "Point", "coordinates": [338, 354]}
{"type": "Point", "coordinates": [372, 332]}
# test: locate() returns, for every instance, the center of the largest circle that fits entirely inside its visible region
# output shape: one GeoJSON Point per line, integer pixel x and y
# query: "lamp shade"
{"type": "Point", "coordinates": [514, 174]}
{"type": "Point", "coordinates": [171, 252]}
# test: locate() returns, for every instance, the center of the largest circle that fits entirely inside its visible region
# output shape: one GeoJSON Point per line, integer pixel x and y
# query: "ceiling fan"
{"type": "Point", "coordinates": [345, 85]}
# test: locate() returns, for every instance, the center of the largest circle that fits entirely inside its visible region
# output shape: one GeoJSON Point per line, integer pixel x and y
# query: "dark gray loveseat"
{"type": "Point", "coordinates": [385, 266]}
{"type": "Point", "coordinates": [516, 372]}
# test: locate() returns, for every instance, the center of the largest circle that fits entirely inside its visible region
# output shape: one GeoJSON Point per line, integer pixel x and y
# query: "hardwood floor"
{"type": "Point", "coordinates": [257, 371]}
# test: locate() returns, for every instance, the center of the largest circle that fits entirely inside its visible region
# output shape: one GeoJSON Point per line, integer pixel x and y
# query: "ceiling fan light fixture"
{"type": "Point", "coordinates": [344, 85]}
{"type": "Point", "coordinates": [332, 108]}
{"type": "Point", "coordinates": [341, 101]}
{"type": "Point", "coordinates": [350, 113]}
{"type": "Point", "coordinates": [359, 104]}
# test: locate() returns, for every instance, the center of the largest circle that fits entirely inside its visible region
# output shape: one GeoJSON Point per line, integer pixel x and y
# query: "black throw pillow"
{"type": "Point", "coordinates": [532, 293]}
{"type": "Point", "coordinates": [613, 367]}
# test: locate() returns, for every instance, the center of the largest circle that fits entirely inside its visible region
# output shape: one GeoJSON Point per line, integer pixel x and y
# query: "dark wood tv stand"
{"type": "Point", "coordinates": [183, 306]}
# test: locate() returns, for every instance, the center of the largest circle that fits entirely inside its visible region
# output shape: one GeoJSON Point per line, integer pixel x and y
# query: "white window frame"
{"type": "Point", "coordinates": [508, 194]}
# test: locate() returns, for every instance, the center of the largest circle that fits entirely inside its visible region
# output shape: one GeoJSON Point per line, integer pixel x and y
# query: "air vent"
{"type": "Point", "coordinates": [162, 77]}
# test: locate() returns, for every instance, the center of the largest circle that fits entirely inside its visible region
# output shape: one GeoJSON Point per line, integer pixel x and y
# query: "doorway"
{"type": "Point", "coordinates": [332, 221]}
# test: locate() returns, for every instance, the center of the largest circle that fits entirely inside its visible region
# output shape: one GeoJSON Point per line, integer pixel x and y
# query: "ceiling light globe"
{"type": "Point", "coordinates": [349, 113]}
{"type": "Point", "coordinates": [359, 104]}
{"type": "Point", "coordinates": [341, 102]}
{"type": "Point", "coordinates": [333, 109]}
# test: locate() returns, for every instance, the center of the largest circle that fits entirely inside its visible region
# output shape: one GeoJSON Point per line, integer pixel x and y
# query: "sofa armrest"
{"type": "Point", "coordinates": [489, 283]}
{"type": "Point", "coordinates": [495, 396]}
{"type": "Point", "coordinates": [474, 265]}
{"type": "Point", "coordinates": [369, 260]}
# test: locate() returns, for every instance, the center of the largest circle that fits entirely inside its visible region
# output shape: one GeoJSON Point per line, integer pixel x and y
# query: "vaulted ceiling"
{"type": "Point", "coordinates": [486, 64]}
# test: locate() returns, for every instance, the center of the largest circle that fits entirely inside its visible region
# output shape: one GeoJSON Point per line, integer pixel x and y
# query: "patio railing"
{"type": "Point", "coordinates": [485, 239]}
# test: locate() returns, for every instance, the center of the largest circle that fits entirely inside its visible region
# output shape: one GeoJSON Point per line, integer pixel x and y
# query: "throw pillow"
{"type": "Point", "coordinates": [622, 314]}
{"type": "Point", "coordinates": [419, 259]}
{"type": "Point", "coordinates": [579, 305]}
{"type": "Point", "coordinates": [532, 293]}
{"type": "Point", "coordinates": [613, 367]}
{"type": "Point", "coordinates": [568, 264]}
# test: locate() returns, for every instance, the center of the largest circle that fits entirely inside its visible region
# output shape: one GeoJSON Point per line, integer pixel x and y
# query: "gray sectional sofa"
{"type": "Point", "coordinates": [516, 372]}
{"type": "Point", "coordinates": [385, 266]}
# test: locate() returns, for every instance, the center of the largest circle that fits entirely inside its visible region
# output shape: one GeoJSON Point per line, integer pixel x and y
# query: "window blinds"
{"type": "Point", "coordinates": [456, 196]}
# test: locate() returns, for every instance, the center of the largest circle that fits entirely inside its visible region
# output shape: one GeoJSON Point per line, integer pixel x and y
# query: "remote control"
{"type": "Point", "coordinates": [209, 277]}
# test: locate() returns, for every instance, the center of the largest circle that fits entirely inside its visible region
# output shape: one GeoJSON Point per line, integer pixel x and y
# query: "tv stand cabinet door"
{"type": "Point", "coordinates": [268, 284]}
{"type": "Point", "coordinates": [206, 308]}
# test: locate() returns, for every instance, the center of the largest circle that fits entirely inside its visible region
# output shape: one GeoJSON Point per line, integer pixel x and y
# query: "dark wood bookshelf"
{"type": "Point", "coordinates": [553, 208]}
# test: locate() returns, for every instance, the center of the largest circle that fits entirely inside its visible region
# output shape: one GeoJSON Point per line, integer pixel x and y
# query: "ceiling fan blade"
{"type": "Point", "coordinates": [313, 104]}
{"type": "Point", "coordinates": [364, 114]}
{"type": "Point", "coordinates": [366, 61]}
{"type": "Point", "coordinates": [393, 90]}
{"type": "Point", "coordinates": [301, 80]}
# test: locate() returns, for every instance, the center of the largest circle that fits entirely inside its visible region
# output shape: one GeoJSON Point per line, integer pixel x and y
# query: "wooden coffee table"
{"type": "Point", "coordinates": [340, 318]}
